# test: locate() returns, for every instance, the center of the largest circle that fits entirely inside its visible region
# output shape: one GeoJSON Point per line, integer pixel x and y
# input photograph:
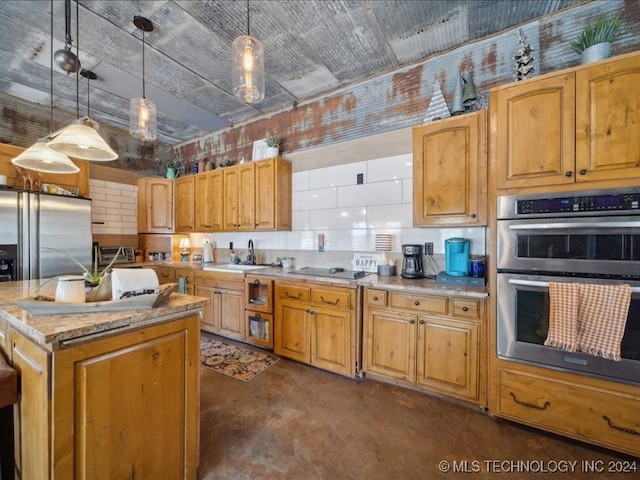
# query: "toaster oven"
{"type": "Point", "coordinates": [106, 255]}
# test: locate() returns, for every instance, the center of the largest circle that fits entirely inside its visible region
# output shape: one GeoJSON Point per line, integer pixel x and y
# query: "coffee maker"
{"type": "Point", "coordinates": [456, 251]}
{"type": "Point", "coordinates": [412, 261]}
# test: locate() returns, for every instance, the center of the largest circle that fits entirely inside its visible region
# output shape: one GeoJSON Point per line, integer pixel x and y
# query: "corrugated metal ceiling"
{"type": "Point", "coordinates": [311, 48]}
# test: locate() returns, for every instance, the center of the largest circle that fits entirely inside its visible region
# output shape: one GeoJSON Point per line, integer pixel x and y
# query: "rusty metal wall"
{"type": "Point", "coordinates": [400, 99]}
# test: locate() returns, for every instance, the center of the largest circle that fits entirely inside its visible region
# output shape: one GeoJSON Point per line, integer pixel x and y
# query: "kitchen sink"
{"type": "Point", "coordinates": [231, 267]}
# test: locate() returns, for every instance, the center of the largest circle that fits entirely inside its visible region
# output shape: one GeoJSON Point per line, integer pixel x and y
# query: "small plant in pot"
{"type": "Point", "coordinates": [594, 43]}
{"type": "Point", "coordinates": [172, 167]}
{"type": "Point", "coordinates": [273, 146]}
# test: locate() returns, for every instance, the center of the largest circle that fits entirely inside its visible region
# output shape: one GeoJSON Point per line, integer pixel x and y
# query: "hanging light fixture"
{"type": "Point", "coordinates": [142, 112]}
{"type": "Point", "coordinates": [39, 156]}
{"type": "Point", "coordinates": [81, 139]}
{"type": "Point", "coordinates": [248, 67]}
{"type": "Point", "coordinates": [64, 57]}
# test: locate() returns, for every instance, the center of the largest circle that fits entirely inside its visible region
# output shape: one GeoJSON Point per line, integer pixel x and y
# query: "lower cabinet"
{"type": "Point", "coordinates": [433, 342]}
{"type": "Point", "coordinates": [225, 313]}
{"type": "Point", "coordinates": [569, 405]}
{"type": "Point", "coordinates": [316, 324]}
{"type": "Point", "coordinates": [118, 406]}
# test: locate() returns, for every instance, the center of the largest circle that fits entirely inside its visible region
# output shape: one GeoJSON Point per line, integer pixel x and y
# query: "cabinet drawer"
{"type": "Point", "coordinates": [587, 413]}
{"type": "Point", "coordinates": [418, 303]}
{"type": "Point", "coordinates": [377, 298]}
{"type": "Point", "coordinates": [291, 292]}
{"type": "Point", "coordinates": [331, 298]}
{"type": "Point", "coordinates": [465, 308]}
{"type": "Point", "coordinates": [165, 274]}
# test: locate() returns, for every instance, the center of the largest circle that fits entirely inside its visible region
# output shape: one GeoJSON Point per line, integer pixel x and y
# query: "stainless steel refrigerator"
{"type": "Point", "coordinates": [32, 221]}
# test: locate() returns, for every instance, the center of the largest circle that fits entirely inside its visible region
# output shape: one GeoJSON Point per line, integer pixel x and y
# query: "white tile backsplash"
{"type": "Point", "coordinates": [113, 207]}
{"type": "Point", "coordinates": [377, 193]}
{"type": "Point", "coordinates": [337, 175]}
{"type": "Point", "coordinates": [390, 168]}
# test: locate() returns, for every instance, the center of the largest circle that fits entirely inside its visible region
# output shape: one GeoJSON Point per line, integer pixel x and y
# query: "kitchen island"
{"type": "Point", "coordinates": [104, 395]}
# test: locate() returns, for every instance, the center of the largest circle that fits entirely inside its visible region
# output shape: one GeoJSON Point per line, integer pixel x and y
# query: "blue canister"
{"type": "Point", "coordinates": [477, 268]}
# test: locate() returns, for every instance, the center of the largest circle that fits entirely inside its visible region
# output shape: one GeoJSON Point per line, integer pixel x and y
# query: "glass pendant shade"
{"type": "Point", "coordinates": [81, 140]}
{"type": "Point", "coordinates": [142, 119]}
{"type": "Point", "coordinates": [248, 69]}
{"type": "Point", "coordinates": [42, 158]}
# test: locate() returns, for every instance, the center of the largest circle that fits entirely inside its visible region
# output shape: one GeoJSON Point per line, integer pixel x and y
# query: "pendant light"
{"type": "Point", "coordinates": [39, 156]}
{"type": "Point", "coordinates": [142, 112]}
{"type": "Point", "coordinates": [248, 67]}
{"type": "Point", "coordinates": [81, 139]}
{"type": "Point", "coordinates": [64, 57]}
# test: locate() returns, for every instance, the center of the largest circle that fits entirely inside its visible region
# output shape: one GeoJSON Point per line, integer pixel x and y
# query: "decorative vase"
{"type": "Point", "coordinates": [596, 52]}
{"type": "Point", "coordinates": [102, 291]}
{"type": "Point", "coordinates": [272, 152]}
{"type": "Point", "coordinates": [171, 172]}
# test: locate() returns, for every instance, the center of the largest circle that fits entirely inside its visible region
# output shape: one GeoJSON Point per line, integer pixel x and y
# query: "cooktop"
{"type": "Point", "coordinates": [330, 272]}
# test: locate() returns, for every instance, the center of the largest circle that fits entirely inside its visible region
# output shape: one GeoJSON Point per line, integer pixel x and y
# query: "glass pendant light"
{"type": "Point", "coordinates": [81, 139]}
{"type": "Point", "coordinates": [39, 156]}
{"type": "Point", "coordinates": [248, 67]}
{"type": "Point", "coordinates": [142, 112]}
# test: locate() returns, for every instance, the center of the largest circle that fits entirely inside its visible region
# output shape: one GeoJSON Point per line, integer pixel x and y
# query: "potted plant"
{"type": "Point", "coordinates": [172, 167]}
{"type": "Point", "coordinates": [273, 146]}
{"type": "Point", "coordinates": [594, 43]}
{"type": "Point", "coordinates": [97, 283]}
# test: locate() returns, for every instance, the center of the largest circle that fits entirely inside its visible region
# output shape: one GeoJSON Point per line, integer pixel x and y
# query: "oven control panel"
{"type": "Point", "coordinates": [621, 202]}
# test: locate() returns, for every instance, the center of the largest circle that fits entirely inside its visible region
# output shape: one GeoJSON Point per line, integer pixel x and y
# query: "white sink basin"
{"type": "Point", "coordinates": [231, 267]}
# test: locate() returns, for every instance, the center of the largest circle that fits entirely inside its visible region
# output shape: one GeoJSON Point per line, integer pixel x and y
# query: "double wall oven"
{"type": "Point", "coordinates": [584, 237]}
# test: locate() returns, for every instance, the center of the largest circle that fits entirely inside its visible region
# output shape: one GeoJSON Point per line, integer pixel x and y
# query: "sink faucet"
{"type": "Point", "coordinates": [251, 258]}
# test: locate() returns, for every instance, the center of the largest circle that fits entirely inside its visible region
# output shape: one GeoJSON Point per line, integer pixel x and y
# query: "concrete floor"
{"type": "Point", "coordinates": [294, 421]}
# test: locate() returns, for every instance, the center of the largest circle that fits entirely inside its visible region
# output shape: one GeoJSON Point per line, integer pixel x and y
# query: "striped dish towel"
{"type": "Point", "coordinates": [602, 316]}
{"type": "Point", "coordinates": [563, 315]}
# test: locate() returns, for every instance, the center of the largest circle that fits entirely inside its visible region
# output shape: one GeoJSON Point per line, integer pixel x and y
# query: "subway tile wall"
{"type": "Point", "coordinates": [113, 208]}
{"type": "Point", "coordinates": [329, 201]}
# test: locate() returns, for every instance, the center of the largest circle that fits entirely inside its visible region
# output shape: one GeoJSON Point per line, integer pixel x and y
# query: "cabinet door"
{"type": "Point", "coordinates": [608, 121]}
{"type": "Point", "coordinates": [32, 414]}
{"type": "Point", "coordinates": [292, 331]}
{"type": "Point", "coordinates": [534, 127]}
{"type": "Point", "coordinates": [155, 205]}
{"type": "Point", "coordinates": [216, 207]}
{"type": "Point", "coordinates": [231, 180]}
{"type": "Point", "coordinates": [185, 210]}
{"type": "Point", "coordinates": [449, 171]}
{"type": "Point", "coordinates": [203, 202]}
{"type": "Point", "coordinates": [331, 340]}
{"type": "Point", "coordinates": [391, 345]}
{"type": "Point", "coordinates": [231, 313]}
{"type": "Point", "coordinates": [448, 356]}
{"type": "Point", "coordinates": [246, 197]}
{"type": "Point", "coordinates": [208, 321]}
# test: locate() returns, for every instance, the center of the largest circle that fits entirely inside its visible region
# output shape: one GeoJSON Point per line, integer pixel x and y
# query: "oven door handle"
{"type": "Point", "coordinates": [573, 225]}
{"type": "Point", "coordinates": [536, 283]}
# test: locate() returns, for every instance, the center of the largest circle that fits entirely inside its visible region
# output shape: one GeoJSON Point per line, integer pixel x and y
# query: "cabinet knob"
{"type": "Point", "coordinates": [422, 322]}
{"type": "Point", "coordinates": [312, 312]}
{"type": "Point", "coordinates": [416, 303]}
{"type": "Point", "coordinates": [464, 309]}
{"type": "Point", "coordinates": [473, 215]}
{"type": "Point", "coordinates": [412, 321]}
{"type": "Point", "coordinates": [568, 174]}
{"type": "Point", "coordinates": [583, 172]}
{"type": "Point", "coordinates": [375, 299]}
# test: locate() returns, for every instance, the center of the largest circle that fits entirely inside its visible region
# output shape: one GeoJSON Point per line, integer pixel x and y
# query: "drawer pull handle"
{"type": "Point", "coordinates": [416, 303]}
{"type": "Point", "coordinates": [329, 302]}
{"type": "Point", "coordinates": [465, 309]}
{"type": "Point", "coordinates": [295, 297]}
{"type": "Point", "coordinates": [529, 405]}
{"type": "Point", "coordinates": [622, 429]}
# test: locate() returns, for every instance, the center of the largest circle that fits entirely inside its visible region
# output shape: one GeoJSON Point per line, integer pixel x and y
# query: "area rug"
{"type": "Point", "coordinates": [237, 362]}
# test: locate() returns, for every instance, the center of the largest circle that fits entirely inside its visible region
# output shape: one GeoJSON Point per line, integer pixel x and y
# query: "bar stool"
{"type": "Point", "coordinates": [8, 396]}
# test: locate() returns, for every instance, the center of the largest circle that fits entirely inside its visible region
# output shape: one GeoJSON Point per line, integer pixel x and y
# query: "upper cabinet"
{"type": "Point", "coordinates": [155, 205]}
{"type": "Point", "coordinates": [273, 195]}
{"type": "Point", "coordinates": [450, 171]}
{"type": "Point", "coordinates": [239, 197]}
{"type": "Point", "coordinates": [579, 125]}
{"type": "Point", "coordinates": [208, 205]}
{"type": "Point", "coordinates": [185, 204]}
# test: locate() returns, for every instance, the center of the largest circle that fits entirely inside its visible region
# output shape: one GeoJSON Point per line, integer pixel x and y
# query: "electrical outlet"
{"type": "Point", "coordinates": [428, 248]}
{"type": "Point", "coordinates": [360, 178]}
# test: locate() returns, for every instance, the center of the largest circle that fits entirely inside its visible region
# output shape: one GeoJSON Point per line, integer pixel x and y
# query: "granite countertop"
{"type": "Point", "coordinates": [397, 283]}
{"type": "Point", "coordinates": [53, 329]}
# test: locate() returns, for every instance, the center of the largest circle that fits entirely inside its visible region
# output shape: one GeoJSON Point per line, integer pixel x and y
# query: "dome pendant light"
{"type": "Point", "coordinates": [39, 156]}
{"type": "Point", "coordinates": [81, 139]}
{"type": "Point", "coordinates": [142, 112]}
{"type": "Point", "coordinates": [248, 67]}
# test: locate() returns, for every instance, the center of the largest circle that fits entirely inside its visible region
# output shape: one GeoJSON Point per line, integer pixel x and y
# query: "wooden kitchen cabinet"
{"type": "Point", "coordinates": [209, 201]}
{"type": "Point", "coordinates": [258, 295]}
{"type": "Point", "coordinates": [578, 125]}
{"type": "Point", "coordinates": [225, 314]}
{"type": "Point", "coordinates": [430, 341]}
{"type": "Point", "coordinates": [316, 324]}
{"type": "Point", "coordinates": [185, 204]}
{"type": "Point", "coordinates": [155, 205]}
{"type": "Point", "coordinates": [450, 171]}
{"type": "Point", "coordinates": [239, 197]}
{"type": "Point", "coordinates": [273, 194]}
{"type": "Point", "coordinates": [89, 409]}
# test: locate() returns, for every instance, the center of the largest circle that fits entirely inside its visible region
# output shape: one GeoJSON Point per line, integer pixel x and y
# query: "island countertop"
{"type": "Point", "coordinates": [48, 330]}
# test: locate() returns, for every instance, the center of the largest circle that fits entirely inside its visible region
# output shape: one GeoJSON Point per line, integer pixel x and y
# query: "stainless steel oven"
{"type": "Point", "coordinates": [584, 237]}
